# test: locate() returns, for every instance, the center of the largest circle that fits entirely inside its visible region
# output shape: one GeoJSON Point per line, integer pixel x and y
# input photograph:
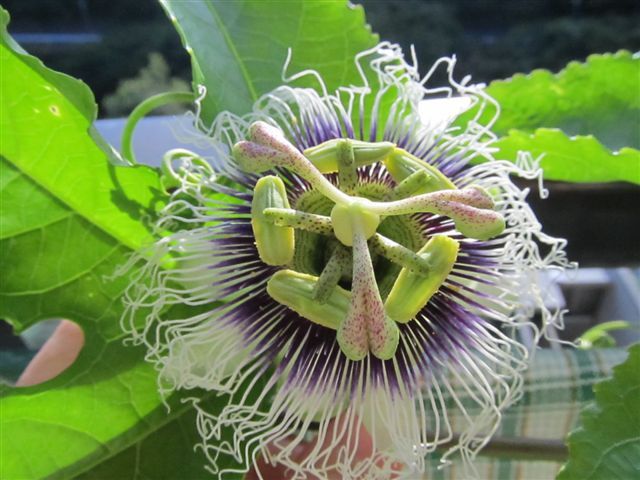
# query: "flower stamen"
{"type": "Point", "coordinates": [347, 169]}
{"type": "Point", "coordinates": [411, 290]}
{"type": "Point", "coordinates": [275, 244]}
{"type": "Point", "coordinates": [295, 290]}
{"type": "Point", "coordinates": [325, 157]}
{"type": "Point", "coordinates": [414, 184]}
{"type": "Point", "coordinates": [401, 164]}
{"type": "Point", "coordinates": [396, 253]}
{"type": "Point", "coordinates": [367, 324]}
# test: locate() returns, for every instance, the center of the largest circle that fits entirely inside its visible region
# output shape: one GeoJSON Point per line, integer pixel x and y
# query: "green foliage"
{"type": "Point", "coordinates": [572, 159]}
{"type": "Point", "coordinates": [47, 135]}
{"type": "Point", "coordinates": [598, 101]}
{"type": "Point", "coordinates": [607, 444]}
{"type": "Point", "coordinates": [166, 454]}
{"type": "Point", "coordinates": [238, 49]}
{"type": "Point", "coordinates": [600, 96]}
{"type": "Point", "coordinates": [69, 218]}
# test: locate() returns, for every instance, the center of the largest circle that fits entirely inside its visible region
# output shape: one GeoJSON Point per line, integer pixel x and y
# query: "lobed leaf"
{"type": "Point", "coordinates": [607, 443]}
{"type": "Point", "coordinates": [68, 219]}
{"type": "Point", "coordinates": [46, 124]}
{"type": "Point", "coordinates": [600, 96]}
{"type": "Point", "coordinates": [572, 159]}
{"type": "Point", "coordinates": [597, 101]}
{"type": "Point", "coordinates": [238, 49]}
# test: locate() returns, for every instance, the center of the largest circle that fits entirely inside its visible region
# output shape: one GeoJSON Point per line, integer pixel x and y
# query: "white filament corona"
{"type": "Point", "coordinates": [271, 417]}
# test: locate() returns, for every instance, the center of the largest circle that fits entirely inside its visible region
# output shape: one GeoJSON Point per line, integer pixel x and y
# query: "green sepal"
{"type": "Point", "coordinates": [402, 164]}
{"type": "Point", "coordinates": [411, 291]}
{"type": "Point", "coordinates": [295, 290]}
{"type": "Point", "coordinates": [276, 245]}
{"type": "Point", "coordinates": [325, 155]}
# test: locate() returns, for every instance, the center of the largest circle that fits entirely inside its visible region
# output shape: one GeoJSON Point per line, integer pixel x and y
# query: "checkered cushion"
{"type": "Point", "coordinates": [557, 386]}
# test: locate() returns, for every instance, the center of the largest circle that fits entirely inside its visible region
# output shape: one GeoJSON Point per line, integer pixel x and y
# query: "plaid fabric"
{"type": "Point", "coordinates": [557, 386]}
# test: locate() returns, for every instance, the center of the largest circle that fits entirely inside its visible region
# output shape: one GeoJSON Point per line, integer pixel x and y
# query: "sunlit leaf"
{"type": "Point", "coordinates": [600, 96]}
{"type": "Point", "coordinates": [585, 119]}
{"type": "Point", "coordinates": [47, 134]}
{"type": "Point", "coordinates": [68, 219]}
{"type": "Point", "coordinates": [572, 159]}
{"type": "Point", "coordinates": [166, 454]}
{"type": "Point", "coordinates": [238, 49]}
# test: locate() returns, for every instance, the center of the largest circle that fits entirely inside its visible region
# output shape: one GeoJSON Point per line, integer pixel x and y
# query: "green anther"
{"type": "Point", "coordinates": [288, 217]}
{"type": "Point", "coordinates": [275, 244]}
{"type": "Point", "coordinates": [415, 184]}
{"type": "Point", "coordinates": [338, 263]}
{"type": "Point", "coordinates": [412, 291]}
{"type": "Point", "coordinates": [295, 290]}
{"type": "Point", "coordinates": [343, 218]}
{"type": "Point", "coordinates": [400, 255]}
{"type": "Point", "coordinates": [325, 155]}
{"type": "Point", "coordinates": [347, 169]}
{"type": "Point", "coordinates": [401, 164]}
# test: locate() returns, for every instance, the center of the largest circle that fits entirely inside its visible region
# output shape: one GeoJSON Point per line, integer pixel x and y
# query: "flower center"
{"type": "Point", "coordinates": [360, 229]}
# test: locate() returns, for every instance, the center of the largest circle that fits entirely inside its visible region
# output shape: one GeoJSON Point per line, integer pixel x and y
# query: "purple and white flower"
{"type": "Point", "coordinates": [352, 255]}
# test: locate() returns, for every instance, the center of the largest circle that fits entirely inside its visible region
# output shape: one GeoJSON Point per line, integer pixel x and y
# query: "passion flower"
{"type": "Point", "coordinates": [347, 261]}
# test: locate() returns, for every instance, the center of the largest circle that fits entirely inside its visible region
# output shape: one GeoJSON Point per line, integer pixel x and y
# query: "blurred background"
{"type": "Point", "coordinates": [127, 51]}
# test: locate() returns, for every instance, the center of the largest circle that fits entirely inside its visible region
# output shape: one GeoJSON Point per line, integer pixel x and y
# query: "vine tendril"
{"type": "Point", "coordinates": [142, 110]}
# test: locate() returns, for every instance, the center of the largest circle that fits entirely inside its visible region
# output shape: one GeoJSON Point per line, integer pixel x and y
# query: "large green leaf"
{"type": "Point", "coordinates": [68, 219]}
{"type": "Point", "coordinates": [600, 97]}
{"type": "Point", "coordinates": [607, 444]}
{"type": "Point", "coordinates": [144, 460]}
{"type": "Point", "coordinates": [167, 454]}
{"type": "Point", "coordinates": [573, 159]}
{"type": "Point", "coordinates": [238, 49]}
{"type": "Point", "coordinates": [47, 133]}
{"type": "Point", "coordinates": [597, 101]}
